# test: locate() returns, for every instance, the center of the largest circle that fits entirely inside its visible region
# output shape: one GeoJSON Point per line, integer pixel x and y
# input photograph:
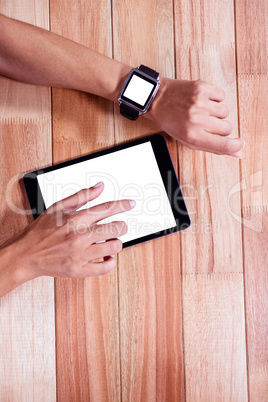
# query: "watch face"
{"type": "Point", "coordinates": [139, 90]}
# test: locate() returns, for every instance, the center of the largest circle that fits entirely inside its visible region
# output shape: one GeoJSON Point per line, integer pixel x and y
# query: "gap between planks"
{"type": "Point", "coordinates": [214, 275]}
{"type": "Point", "coordinates": [5, 121]}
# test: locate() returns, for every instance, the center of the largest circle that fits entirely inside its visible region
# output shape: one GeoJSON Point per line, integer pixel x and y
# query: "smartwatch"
{"type": "Point", "coordinates": [138, 92]}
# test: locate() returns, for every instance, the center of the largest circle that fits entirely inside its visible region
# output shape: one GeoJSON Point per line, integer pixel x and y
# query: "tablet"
{"type": "Point", "coordinates": [141, 170]}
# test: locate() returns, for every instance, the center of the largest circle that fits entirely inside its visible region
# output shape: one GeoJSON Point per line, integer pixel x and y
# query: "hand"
{"type": "Point", "coordinates": [69, 249]}
{"type": "Point", "coordinates": [192, 113]}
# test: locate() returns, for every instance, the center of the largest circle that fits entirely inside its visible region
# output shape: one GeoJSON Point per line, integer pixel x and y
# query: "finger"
{"type": "Point", "coordinates": [78, 199]}
{"type": "Point", "coordinates": [215, 93]}
{"type": "Point", "coordinates": [106, 231]}
{"type": "Point", "coordinates": [105, 210]}
{"type": "Point", "coordinates": [237, 154]}
{"type": "Point", "coordinates": [218, 110]}
{"type": "Point", "coordinates": [219, 144]}
{"type": "Point", "coordinates": [213, 125]}
{"type": "Point", "coordinates": [98, 268]}
{"type": "Point", "coordinates": [109, 247]}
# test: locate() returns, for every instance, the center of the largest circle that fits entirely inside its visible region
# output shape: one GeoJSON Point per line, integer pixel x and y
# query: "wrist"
{"type": "Point", "coordinates": [154, 111]}
{"type": "Point", "coordinates": [13, 270]}
{"type": "Point", "coordinates": [106, 78]}
{"type": "Point", "coordinates": [120, 73]}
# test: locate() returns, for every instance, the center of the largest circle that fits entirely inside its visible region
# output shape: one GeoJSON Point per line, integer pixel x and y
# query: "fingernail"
{"type": "Point", "coordinates": [237, 155]}
{"type": "Point", "coordinates": [132, 203]}
{"type": "Point", "coordinates": [98, 184]}
{"type": "Point", "coordinates": [244, 144]}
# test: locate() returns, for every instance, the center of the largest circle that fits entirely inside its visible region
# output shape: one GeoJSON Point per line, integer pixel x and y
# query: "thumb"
{"type": "Point", "coordinates": [79, 199]}
{"type": "Point", "coordinates": [238, 153]}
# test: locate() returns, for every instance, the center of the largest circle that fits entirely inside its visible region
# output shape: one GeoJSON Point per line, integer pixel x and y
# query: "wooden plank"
{"type": "Point", "coordinates": [252, 70]}
{"type": "Point", "coordinates": [19, 100]}
{"type": "Point", "coordinates": [212, 248]}
{"type": "Point", "coordinates": [87, 327]}
{"type": "Point", "coordinates": [208, 179]}
{"type": "Point", "coordinates": [151, 322]}
{"type": "Point", "coordinates": [27, 323]}
{"type": "Point", "coordinates": [214, 338]}
{"type": "Point", "coordinates": [149, 274]}
{"type": "Point", "coordinates": [256, 279]}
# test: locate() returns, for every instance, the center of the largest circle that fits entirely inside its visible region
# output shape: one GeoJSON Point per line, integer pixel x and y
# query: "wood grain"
{"type": "Point", "coordinates": [146, 332]}
{"type": "Point", "coordinates": [252, 71]}
{"type": "Point", "coordinates": [17, 100]}
{"type": "Point", "coordinates": [214, 336]}
{"type": "Point", "coordinates": [256, 281]}
{"type": "Point", "coordinates": [212, 248]}
{"type": "Point", "coordinates": [27, 322]}
{"type": "Point", "coordinates": [208, 178]}
{"type": "Point", "coordinates": [87, 326]}
{"type": "Point", "coordinates": [149, 274]}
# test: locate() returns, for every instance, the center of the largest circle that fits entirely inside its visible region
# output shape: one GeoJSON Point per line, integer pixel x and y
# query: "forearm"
{"type": "Point", "coordinates": [12, 274]}
{"type": "Point", "coordinates": [190, 111]}
{"type": "Point", "coordinates": [36, 56]}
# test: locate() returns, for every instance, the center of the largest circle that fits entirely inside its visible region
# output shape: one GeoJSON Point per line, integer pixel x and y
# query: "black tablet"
{"type": "Point", "coordinates": [141, 170]}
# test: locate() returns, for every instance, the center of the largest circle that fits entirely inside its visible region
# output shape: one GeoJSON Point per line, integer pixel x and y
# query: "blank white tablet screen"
{"type": "Point", "coordinates": [130, 173]}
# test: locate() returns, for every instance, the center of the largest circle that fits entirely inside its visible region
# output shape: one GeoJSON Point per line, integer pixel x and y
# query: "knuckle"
{"type": "Point", "coordinates": [120, 228]}
{"type": "Point", "coordinates": [199, 105]}
{"type": "Point", "coordinates": [72, 272]}
{"type": "Point", "coordinates": [223, 127]}
{"type": "Point", "coordinates": [193, 117]}
{"type": "Point", "coordinates": [222, 93]}
{"type": "Point", "coordinates": [227, 127]}
{"type": "Point", "coordinates": [224, 110]}
{"type": "Point", "coordinates": [123, 228]}
{"type": "Point", "coordinates": [108, 206]}
{"type": "Point", "coordinates": [230, 128]}
{"type": "Point", "coordinates": [76, 243]}
{"type": "Point", "coordinates": [70, 267]}
{"type": "Point", "coordinates": [219, 92]}
{"type": "Point", "coordinates": [199, 87]}
{"type": "Point", "coordinates": [73, 244]}
{"type": "Point", "coordinates": [112, 248]}
{"type": "Point", "coordinates": [115, 247]}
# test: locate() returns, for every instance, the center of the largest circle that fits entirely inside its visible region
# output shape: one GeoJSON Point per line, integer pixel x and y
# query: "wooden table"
{"type": "Point", "coordinates": [184, 316]}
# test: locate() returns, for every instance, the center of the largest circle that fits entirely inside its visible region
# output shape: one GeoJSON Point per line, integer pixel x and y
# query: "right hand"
{"type": "Point", "coordinates": [69, 250]}
{"type": "Point", "coordinates": [193, 113]}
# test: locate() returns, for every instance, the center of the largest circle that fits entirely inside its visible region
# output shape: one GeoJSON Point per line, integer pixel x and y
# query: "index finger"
{"type": "Point", "coordinates": [102, 211]}
{"type": "Point", "coordinates": [215, 93]}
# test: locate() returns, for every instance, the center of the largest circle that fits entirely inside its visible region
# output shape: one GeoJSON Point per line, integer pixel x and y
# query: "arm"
{"type": "Point", "coordinates": [36, 56]}
{"type": "Point", "coordinates": [196, 117]}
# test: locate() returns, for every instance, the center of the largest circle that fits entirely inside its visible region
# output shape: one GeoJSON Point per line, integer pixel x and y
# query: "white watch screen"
{"type": "Point", "coordinates": [138, 90]}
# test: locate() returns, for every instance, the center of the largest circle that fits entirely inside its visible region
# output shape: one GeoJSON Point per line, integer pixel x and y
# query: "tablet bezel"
{"type": "Point", "coordinates": [166, 169]}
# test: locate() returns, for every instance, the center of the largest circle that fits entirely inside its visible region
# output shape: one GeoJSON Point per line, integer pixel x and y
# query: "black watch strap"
{"type": "Point", "coordinates": [149, 71]}
{"type": "Point", "coordinates": [128, 112]}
